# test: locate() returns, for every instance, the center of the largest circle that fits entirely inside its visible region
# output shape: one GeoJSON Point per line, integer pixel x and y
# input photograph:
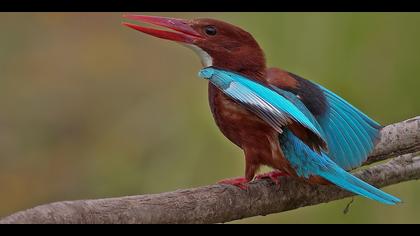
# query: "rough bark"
{"type": "Point", "coordinates": [222, 203]}
{"type": "Point", "coordinates": [397, 139]}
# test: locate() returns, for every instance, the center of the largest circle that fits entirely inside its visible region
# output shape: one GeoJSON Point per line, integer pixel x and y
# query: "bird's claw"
{"type": "Point", "coordinates": [239, 182]}
{"type": "Point", "coordinates": [273, 176]}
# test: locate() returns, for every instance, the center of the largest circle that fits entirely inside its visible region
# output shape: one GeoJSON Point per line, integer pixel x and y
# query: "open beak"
{"type": "Point", "coordinates": [182, 31]}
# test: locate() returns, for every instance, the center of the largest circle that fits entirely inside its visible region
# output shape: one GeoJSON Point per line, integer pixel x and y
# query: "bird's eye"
{"type": "Point", "coordinates": [210, 30]}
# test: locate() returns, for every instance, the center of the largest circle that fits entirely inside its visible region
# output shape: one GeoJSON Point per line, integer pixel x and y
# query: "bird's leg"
{"type": "Point", "coordinates": [273, 175]}
{"type": "Point", "coordinates": [241, 182]}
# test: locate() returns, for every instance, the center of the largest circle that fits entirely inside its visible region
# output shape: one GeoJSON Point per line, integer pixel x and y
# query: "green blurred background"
{"type": "Point", "coordinates": [92, 109]}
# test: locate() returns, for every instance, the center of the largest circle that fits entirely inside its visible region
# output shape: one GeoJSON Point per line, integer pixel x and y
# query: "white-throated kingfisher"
{"type": "Point", "coordinates": [278, 119]}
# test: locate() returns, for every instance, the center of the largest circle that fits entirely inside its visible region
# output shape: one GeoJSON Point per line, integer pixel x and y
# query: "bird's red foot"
{"type": "Point", "coordinates": [238, 182]}
{"type": "Point", "coordinates": [273, 175]}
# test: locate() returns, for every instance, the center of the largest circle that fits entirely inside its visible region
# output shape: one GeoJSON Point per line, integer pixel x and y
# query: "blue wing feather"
{"type": "Point", "coordinates": [342, 134]}
{"type": "Point", "coordinates": [354, 132]}
{"type": "Point", "coordinates": [299, 104]}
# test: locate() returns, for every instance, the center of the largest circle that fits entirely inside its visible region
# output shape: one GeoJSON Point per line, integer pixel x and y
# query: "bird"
{"type": "Point", "coordinates": [279, 119]}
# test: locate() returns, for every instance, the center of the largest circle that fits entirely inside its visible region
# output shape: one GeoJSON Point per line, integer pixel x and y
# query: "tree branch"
{"type": "Point", "coordinates": [222, 203]}
{"type": "Point", "coordinates": [397, 139]}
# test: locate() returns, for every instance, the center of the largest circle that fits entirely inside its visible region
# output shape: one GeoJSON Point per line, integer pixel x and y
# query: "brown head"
{"type": "Point", "coordinates": [218, 43]}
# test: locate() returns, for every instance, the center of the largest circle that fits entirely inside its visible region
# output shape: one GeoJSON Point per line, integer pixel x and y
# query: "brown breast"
{"type": "Point", "coordinates": [246, 130]}
{"type": "Point", "coordinates": [233, 120]}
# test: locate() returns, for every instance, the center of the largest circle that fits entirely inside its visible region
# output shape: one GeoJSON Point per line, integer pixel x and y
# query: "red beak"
{"type": "Point", "coordinates": [183, 31]}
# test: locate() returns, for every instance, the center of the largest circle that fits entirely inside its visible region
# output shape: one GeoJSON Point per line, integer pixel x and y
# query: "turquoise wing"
{"type": "Point", "coordinates": [350, 134]}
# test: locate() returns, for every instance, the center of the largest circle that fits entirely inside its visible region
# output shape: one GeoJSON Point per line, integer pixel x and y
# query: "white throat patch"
{"type": "Point", "coordinates": [206, 59]}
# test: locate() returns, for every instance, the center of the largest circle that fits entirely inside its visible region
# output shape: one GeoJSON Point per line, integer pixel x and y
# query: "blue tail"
{"type": "Point", "coordinates": [307, 162]}
{"type": "Point", "coordinates": [349, 182]}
